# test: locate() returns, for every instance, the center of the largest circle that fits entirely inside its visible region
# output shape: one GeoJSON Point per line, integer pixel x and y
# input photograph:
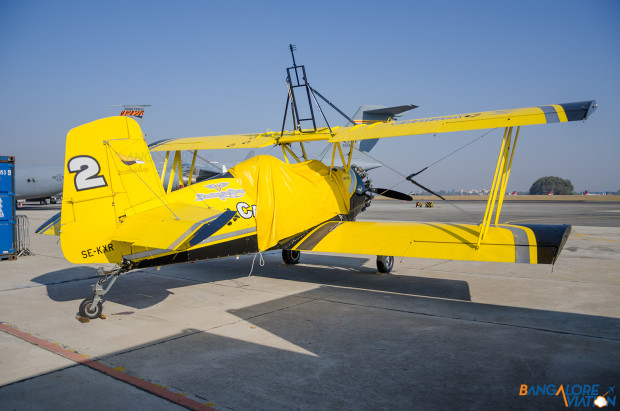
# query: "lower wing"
{"type": "Point", "coordinates": [530, 244]}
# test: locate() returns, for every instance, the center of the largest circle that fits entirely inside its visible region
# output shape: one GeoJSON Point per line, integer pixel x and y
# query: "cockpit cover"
{"type": "Point", "coordinates": [290, 198]}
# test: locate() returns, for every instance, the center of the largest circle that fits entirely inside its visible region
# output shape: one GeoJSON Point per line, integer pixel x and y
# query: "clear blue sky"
{"type": "Point", "coordinates": [213, 68]}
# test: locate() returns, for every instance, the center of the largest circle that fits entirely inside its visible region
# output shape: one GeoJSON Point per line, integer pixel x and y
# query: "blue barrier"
{"type": "Point", "coordinates": [7, 208]}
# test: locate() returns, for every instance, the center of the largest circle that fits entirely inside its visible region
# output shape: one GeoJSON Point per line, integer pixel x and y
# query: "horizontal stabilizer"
{"type": "Point", "coordinates": [392, 111]}
{"type": "Point", "coordinates": [51, 226]}
{"type": "Point", "coordinates": [170, 226]}
{"type": "Point", "coordinates": [368, 114]}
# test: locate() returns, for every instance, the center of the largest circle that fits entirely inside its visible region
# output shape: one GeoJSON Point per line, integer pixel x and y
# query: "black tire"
{"type": "Point", "coordinates": [86, 309]}
{"type": "Point", "coordinates": [43, 202]}
{"type": "Point", "coordinates": [291, 256]}
{"type": "Point", "coordinates": [385, 263]}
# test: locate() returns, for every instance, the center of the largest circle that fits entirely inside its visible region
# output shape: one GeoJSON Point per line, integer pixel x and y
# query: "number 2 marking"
{"type": "Point", "coordinates": [87, 173]}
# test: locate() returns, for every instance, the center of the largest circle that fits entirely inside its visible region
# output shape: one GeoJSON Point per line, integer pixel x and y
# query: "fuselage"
{"type": "Point", "coordinates": [266, 215]}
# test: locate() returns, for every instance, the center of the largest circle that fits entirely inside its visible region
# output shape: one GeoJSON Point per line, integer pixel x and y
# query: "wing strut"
{"type": "Point", "coordinates": [500, 180]}
{"type": "Point", "coordinates": [191, 170]}
{"type": "Point", "coordinates": [163, 170]}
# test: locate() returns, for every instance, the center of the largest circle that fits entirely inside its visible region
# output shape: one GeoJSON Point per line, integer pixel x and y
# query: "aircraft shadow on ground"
{"type": "Point", "coordinates": [335, 347]}
{"type": "Point", "coordinates": [132, 289]}
{"type": "Point", "coordinates": [145, 288]}
{"type": "Point", "coordinates": [350, 272]}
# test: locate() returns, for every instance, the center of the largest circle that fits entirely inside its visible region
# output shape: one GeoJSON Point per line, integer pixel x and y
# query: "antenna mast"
{"type": "Point", "coordinates": [310, 94]}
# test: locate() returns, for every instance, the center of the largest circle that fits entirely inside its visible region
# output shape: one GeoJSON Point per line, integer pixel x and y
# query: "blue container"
{"type": "Point", "coordinates": [7, 207]}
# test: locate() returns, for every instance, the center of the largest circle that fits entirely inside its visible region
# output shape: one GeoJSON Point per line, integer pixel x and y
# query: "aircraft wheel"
{"type": "Point", "coordinates": [385, 263]}
{"type": "Point", "coordinates": [43, 202]}
{"type": "Point", "coordinates": [291, 256]}
{"type": "Point", "coordinates": [53, 201]}
{"type": "Point", "coordinates": [87, 310]}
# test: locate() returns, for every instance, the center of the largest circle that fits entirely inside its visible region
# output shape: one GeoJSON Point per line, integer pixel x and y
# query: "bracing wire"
{"type": "Point", "coordinates": [462, 147]}
{"type": "Point", "coordinates": [427, 167]}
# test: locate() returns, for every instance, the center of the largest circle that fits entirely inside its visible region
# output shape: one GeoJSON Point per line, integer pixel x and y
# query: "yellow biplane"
{"type": "Point", "coordinates": [115, 208]}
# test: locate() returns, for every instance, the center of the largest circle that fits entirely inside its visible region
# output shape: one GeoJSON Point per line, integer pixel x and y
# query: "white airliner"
{"type": "Point", "coordinates": [38, 183]}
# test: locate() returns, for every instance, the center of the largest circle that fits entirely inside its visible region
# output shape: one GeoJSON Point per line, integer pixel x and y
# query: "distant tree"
{"type": "Point", "coordinates": [556, 184]}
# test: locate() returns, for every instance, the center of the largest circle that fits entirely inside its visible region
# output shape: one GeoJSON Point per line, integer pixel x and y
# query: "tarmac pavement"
{"type": "Point", "coordinates": [328, 333]}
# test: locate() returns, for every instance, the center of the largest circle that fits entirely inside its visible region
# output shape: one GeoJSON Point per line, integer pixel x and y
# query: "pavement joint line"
{"type": "Point", "coordinates": [467, 275]}
{"type": "Point", "coordinates": [47, 256]}
{"type": "Point", "coordinates": [43, 374]}
{"type": "Point", "coordinates": [559, 218]}
{"type": "Point", "coordinates": [434, 265]}
{"type": "Point", "coordinates": [475, 320]}
{"type": "Point", "coordinates": [395, 293]}
{"type": "Point", "coordinates": [220, 283]}
{"type": "Point", "coordinates": [309, 300]}
{"type": "Point", "coordinates": [215, 327]}
{"type": "Point", "coordinates": [45, 284]}
{"type": "Point", "coordinates": [429, 268]}
{"type": "Point", "coordinates": [82, 359]}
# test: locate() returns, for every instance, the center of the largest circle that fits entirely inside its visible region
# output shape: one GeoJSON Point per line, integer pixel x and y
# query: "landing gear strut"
{"type": "Point", "coordinates": [93, 307]}
{"type": "Point", "coordinates": [385, 263]}
{"type": "Point", "coordinates": [291, 256]}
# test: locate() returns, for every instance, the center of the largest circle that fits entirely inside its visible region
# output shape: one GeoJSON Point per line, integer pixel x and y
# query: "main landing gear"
{"type": "Point", "coordinates": [291, 256]}
{"type": "Point", "coordinates": [385, 263]}
{"type": "Point", "coordinates": [92, 307]}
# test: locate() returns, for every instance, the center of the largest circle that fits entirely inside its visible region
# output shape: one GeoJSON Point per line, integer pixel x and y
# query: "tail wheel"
{"type": "Point", "coordinates": [385, 263]}
{"type": "Point", "coordinates": [88, 310]}
{"type": "Point", "coordinates": [291, 256]}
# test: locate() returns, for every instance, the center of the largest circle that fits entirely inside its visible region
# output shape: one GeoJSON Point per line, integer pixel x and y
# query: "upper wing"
{"type": "Point", "coordinates": [555, 113]}
{"type": "Point", "coordinates": [503, 243]}
{"type": "Point", "coordinates": [215, 142]}
{"type": "Point", "coordinates": [258, 140]}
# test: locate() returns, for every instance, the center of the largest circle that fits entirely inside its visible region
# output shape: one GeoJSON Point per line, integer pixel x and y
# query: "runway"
{"type": "Point", "coordinates": [329, 333]}
{"type": "Point", "coordinates": [578, 213]}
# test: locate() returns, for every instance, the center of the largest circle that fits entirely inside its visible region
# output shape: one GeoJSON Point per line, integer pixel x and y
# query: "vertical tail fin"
{"type": "Point", "coordinates": [109, 174]}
